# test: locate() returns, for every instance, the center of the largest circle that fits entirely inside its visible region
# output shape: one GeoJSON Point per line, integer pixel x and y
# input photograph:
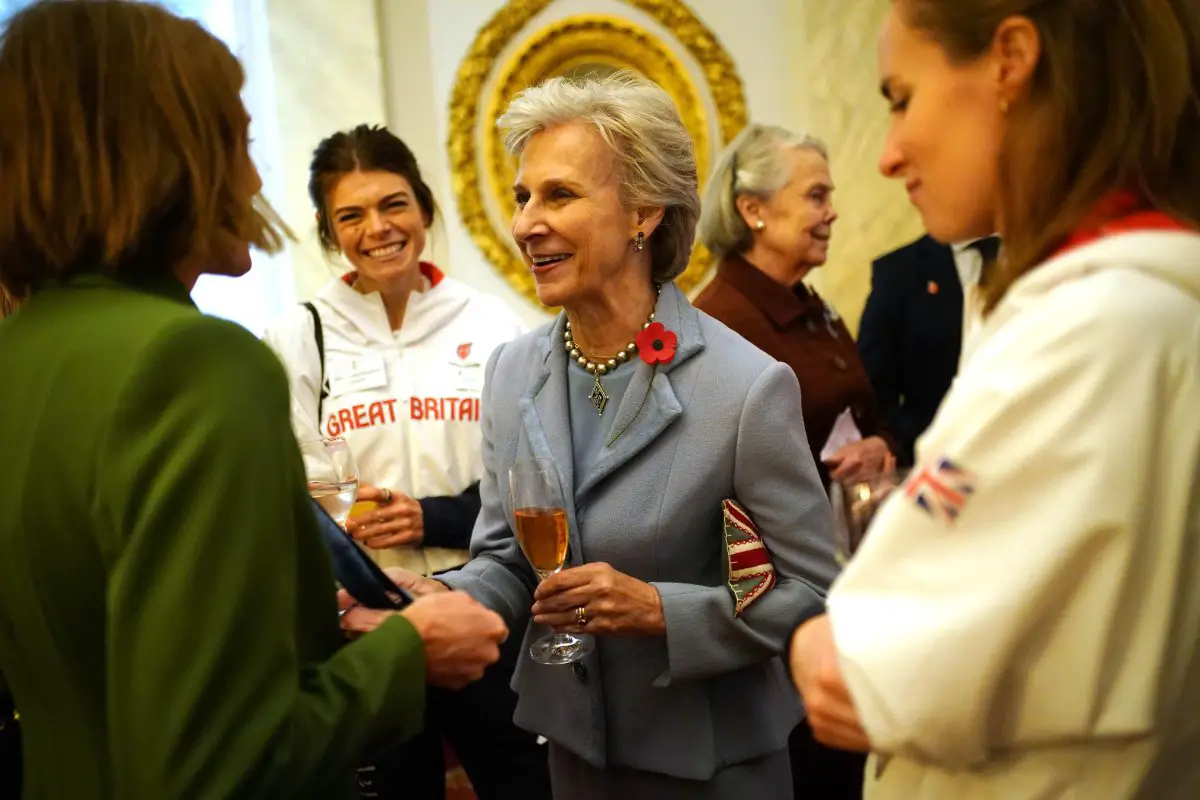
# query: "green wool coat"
{"type": "Point", "coordinates": [168, 624]}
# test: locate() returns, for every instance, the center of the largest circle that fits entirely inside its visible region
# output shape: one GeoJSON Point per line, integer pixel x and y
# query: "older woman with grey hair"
{"type": "Point", "coordinates": [768, 215]}
{"type": "Point", "coordinates": [653, 415]}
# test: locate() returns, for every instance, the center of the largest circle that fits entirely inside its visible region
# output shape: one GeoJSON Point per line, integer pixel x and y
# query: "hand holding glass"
{"type": "Point", "coordinates": [855, 503]}
{"type": "Point", "coordinates": [541, 521]}
{"type": "Point", "coordinates": [332, 476]}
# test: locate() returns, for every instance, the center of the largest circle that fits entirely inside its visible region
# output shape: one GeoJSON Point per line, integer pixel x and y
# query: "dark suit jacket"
{"type": "Point", "coordinates": [168, 624]}
{"type": "Point", "coordinates": [911, 334]}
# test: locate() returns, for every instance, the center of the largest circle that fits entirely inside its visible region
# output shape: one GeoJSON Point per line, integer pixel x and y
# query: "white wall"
{"type": "Point", "coordinates": [328, 75]}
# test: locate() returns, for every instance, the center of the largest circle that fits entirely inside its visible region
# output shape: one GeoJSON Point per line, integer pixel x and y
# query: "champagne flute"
{"type": "Point", "coordinates": [855, 503]}
{"type": "Point", "coordinates": [332, 475]}
{"type": "Point", "coordinates": [541, 517]}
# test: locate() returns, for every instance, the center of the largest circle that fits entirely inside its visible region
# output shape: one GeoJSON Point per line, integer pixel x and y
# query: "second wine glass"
{"type": "Point", "coordinates": [541, 522]}
{"type": "Point", "coordinates": [855, 503]}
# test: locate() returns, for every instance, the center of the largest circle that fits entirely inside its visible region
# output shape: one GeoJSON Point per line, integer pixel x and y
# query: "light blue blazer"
{"type": "Point", "coordinates": [721, 420]}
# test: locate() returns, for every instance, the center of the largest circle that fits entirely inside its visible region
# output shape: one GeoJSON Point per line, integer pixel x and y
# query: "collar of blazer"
{"type": "Point", "coordinates": [782, 305]}
{"type": "Point", "coordinates": [647, 409]}
{"type": "Point", "coordinates": [164, 285]}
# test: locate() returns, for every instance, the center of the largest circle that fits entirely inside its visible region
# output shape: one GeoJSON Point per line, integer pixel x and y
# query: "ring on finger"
{"type": "Point", "coordinates": [581, 617]}
{"type": "Point", "coordinates": [387, 496]}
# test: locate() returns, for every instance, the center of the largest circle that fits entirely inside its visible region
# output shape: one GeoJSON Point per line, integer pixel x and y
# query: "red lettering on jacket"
{"type": "Point", "coordinates": [444, 409]}
{"type": "Point", "coordinates": [381, 412]}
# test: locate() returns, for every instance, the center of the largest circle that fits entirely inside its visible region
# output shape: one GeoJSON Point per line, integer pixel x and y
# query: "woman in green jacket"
{"type": "Point", "coordinates": [162, 626]}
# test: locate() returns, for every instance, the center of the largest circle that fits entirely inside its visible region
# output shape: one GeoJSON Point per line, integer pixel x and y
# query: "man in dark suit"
{"type": "Point", "coordinates": [911, 334]}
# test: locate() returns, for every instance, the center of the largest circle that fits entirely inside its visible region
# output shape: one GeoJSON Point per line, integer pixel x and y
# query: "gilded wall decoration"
{"type": "Point", "coordinates": [482, 171]}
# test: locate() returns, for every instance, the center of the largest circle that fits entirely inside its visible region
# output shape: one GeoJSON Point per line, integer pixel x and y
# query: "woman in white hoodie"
{"type": "Point", "coordinates": [391, 357]}
{"type": "Point", "coordinates": [1023, 619]}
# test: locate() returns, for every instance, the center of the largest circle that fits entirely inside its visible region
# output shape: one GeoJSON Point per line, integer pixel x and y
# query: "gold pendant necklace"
{"type": "Point", "coordinates": [598, 396]}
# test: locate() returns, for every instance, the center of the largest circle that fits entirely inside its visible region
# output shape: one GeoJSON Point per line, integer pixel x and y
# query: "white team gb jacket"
{"type": "Point", "coordinates": [408, 401]}
{"type": "Point", "coordinates": [1023, 620]}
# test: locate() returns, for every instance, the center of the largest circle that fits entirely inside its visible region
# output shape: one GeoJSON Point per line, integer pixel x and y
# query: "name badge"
{"type": "Point", "coordinates": [361, 373]}
{"type": "Point", "coordinates": [469, 378]}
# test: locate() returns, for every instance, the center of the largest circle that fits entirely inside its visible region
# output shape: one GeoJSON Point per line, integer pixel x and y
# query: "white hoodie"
{"type": "Point", "coordinates": [408, 401]}
{"type": "Point", "coordinates": [1024, 621]}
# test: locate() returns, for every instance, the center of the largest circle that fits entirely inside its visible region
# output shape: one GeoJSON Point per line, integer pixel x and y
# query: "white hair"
{"type": "Point", "coordinates": [655, 158]}
{"type": "Point", "coordinates": [752, 164]}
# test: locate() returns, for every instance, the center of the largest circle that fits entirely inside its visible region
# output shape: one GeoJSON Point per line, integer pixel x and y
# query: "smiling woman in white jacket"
{"type": "Point", "coordinates": [404, 354]}
{"type": "Point", "coordinates": [1023, 618]}
{"type": "Point", "coordinates": [404, 350]}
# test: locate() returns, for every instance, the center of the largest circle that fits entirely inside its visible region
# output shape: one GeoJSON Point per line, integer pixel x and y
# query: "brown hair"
{"type": "Point", "coordinates": [366, 148]}
{"type": "Point", "coordinates": [124, 144]}
{"type": "Point", "coordinates": [8, 303]}
{"type": "Point", "coordinates": [1114, 103]}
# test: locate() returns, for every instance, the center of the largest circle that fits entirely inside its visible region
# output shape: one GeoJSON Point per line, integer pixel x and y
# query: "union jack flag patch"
{"type": "Point", "coordinates": [751, 571]}
{"type": "Point", "coordinates": [941, 490]}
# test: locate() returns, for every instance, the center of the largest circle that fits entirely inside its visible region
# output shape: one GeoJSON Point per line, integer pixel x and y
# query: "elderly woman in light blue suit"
{"type": "Point", "coordinates": [685, 695]}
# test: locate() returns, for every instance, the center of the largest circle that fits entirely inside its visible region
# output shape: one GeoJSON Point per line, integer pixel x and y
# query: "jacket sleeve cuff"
{"type": "Point", "coordinates": [808, 614]}
{"type": "Point", "coordinates": [449, 520]}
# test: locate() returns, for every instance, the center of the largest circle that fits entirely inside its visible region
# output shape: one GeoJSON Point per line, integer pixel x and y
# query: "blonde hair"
{"type": "Point", "coordinates": [1114, 103]}
{"type": "Point", "coordinates": [124, 145]}
{"type": "Point", "coordinates": [655, 157]}
{"type": "Point", "coordinates": [752, 164]}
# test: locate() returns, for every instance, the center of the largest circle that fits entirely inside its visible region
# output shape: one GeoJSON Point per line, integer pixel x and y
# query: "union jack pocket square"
{"type": "Point", "coordinates": [751, 572]}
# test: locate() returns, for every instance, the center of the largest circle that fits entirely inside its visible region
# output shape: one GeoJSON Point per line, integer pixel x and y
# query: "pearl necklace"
{"type": "Point", "coordinates": [598, 395]}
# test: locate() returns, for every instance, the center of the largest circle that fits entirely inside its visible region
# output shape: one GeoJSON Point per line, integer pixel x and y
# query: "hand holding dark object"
{"type": "Point", "coordinates": [357, 618]}
{"type": "Point", "coordinates": [461, 636]}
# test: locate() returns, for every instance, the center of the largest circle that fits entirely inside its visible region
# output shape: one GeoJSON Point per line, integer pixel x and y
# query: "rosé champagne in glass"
{"type": "Point", "coordinates": [541, 530]}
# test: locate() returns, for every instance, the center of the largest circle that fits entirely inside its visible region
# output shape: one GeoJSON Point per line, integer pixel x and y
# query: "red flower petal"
{"type": "Point", "coordinates": [656, 344]}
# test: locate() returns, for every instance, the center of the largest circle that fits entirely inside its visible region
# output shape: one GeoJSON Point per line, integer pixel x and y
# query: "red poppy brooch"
{"type": "Point", "coordinates": [656, 344]}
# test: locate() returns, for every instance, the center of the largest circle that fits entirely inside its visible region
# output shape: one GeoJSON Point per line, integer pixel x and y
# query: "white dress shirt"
{"type": "Point", "coordinates": [969, 263]}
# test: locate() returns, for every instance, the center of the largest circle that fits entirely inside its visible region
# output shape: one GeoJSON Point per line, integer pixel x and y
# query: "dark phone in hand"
{"type": "Point", "coordinates": [355, 571]}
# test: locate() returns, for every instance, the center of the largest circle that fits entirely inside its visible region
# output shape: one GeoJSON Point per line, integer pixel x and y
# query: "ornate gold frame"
{"type": "Point", "coordinates": [565, 44]}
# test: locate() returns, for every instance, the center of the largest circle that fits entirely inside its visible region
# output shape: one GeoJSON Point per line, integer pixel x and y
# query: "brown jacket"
{"type": "Point", "coordinates": [796, 327]}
